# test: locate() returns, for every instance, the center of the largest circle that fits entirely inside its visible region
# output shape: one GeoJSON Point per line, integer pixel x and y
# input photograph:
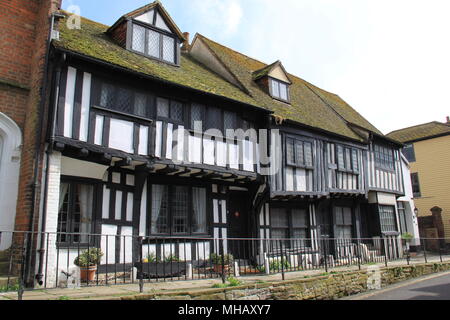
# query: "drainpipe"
{"type": "Point", "coordinates": [41, 250]}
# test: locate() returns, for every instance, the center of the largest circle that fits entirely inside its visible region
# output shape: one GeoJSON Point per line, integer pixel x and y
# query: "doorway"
{"type": "Point", "coordinates": [238, 225]}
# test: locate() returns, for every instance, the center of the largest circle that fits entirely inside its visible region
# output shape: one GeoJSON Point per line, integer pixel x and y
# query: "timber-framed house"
{"type": "Point", "coordinates": [138, 145]}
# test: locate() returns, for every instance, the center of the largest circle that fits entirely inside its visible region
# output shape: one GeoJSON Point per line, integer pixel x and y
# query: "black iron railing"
{"type": "Point", "coordinates": [96, 260]}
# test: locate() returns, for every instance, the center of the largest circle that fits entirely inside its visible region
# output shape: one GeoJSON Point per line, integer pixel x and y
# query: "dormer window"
{"type": "Point", "coordinates": [279, 90]}
{"type": "Point", "coordinates": [275, 81]}
{"type": "Point", "coordinates": [153, 43]}
{"type": "Point", "coordinates": [151, 32]}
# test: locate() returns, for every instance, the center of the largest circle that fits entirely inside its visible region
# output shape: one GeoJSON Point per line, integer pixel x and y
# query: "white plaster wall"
{"type": "Point", "coordinates": [412, 221]}
{"type": "Point", "coordinates": [84, 169]}
{"type": "Point", "coordinates": [51, 255]}
{"type": "Point", "coordinates": [9, 176]}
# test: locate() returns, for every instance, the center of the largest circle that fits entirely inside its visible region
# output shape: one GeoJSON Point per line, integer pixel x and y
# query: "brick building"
{"type": "Point", "coordinates": [25, 26]}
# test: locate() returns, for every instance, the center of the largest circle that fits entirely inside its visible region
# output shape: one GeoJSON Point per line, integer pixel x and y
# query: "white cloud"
{"type": "Point", "coordinates": [222, 17]}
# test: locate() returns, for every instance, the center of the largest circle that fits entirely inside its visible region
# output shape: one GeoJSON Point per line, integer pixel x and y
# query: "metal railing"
{"type": "Point", "coordinates": [78, 260]}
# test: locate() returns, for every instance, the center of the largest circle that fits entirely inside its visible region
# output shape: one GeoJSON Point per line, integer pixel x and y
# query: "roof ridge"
{"type": "Point", "coordinates": [419, 125]}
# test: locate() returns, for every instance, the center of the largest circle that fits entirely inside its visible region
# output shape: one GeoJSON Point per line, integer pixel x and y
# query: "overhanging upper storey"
{"type": "Point", "coordinates": [151, 32]}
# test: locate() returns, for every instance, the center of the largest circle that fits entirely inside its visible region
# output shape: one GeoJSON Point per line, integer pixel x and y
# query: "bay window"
{"type": "Point", "coordinates": [178, 210]}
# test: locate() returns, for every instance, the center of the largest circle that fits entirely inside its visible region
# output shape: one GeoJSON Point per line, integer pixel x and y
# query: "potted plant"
{"type": "Point", "coordinates": [87, 262]}
{"type": "Point", "coordinates": [220, 261]}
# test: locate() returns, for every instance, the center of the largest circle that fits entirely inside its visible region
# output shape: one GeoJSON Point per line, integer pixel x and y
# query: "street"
{"type": "Point", "coordinates": [426, 288]}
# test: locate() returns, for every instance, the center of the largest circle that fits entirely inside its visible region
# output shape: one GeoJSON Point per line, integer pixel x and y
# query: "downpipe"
{"type": "Point", "coordinates": [56, 80]}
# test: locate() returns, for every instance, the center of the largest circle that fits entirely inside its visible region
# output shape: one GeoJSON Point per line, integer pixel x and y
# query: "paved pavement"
{"type": "Point", "coordinates": [433, 287]}
{"type": "Point", "coordinates": [115, 291]}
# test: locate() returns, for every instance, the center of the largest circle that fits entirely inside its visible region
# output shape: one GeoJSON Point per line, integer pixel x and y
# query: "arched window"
{"type": "Point", "coordinates": [10, 143]}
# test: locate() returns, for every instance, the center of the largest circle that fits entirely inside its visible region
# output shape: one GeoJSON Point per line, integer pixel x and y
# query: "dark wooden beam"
{"type": "Point", "coordinates": [59, 146]}
{"type": "Point", "coordinates": [123, 163]}
{"type": "Point", "coordinates": [83, 153]}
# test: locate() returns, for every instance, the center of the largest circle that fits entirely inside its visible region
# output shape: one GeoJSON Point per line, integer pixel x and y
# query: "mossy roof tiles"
{"type": "Point", "coordinates": [92, 41]}
{"type": "Point", "coordinates": [420, 132]}
{"type": "Point", "coordinates": [309, 105]}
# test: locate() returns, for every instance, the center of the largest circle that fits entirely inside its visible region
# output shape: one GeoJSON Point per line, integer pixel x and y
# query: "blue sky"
{"type": "Point", "coordinates": [387, 59]}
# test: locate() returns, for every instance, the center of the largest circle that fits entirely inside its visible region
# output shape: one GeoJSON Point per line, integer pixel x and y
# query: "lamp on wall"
{"type": "Point", "coordinates": [416, 211]}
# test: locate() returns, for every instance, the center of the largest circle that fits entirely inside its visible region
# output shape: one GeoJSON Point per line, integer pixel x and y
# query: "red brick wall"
{"type": "Point", "coordinates": [119, 34]}
{"type": "Point", "coordinates": [23, 40]}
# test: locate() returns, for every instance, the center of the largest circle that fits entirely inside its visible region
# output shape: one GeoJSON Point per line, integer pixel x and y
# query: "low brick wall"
{"type": "Point", "coordinates": [331, 286]}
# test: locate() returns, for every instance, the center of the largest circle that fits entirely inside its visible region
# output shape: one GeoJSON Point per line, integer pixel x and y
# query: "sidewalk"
{"type": "Point", "coordinates": [115, 292]}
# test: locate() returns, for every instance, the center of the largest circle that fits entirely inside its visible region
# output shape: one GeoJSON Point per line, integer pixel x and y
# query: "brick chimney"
{"type": "Point", "coordinates": [186, 46]}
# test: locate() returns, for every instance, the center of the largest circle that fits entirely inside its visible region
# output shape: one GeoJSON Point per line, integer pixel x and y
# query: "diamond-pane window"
{"type": "Point", "coordinates": [290, 151]}
{"type": "Point", "coordinates": [196, 115]}
{"type": "Point", "coordinates": [140, 105]}
{"type": "Point", "coordinates": [176, 111]}
{"type": "Point", "coordinates": [214, 118]}
{"type": "Point", "coordinates": [229, 120]}
{"type": "Point", "coordinates": [106, 95]}
{"type": "Point", "coordinates": [299, 158]}
{"type": "Point", "coordinates": [123, 100]}
{"type": "Point", "coordinates": [168, 49]}
{"type": "Point", "coordinates": [138, 38]}
{"type": "Point", "coordinates": [153, 44]}
{"type": "Point", "coordinates": [162, 108]}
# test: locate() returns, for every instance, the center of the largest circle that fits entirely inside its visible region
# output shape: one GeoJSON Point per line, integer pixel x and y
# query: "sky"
{"type": "Point", "coordinates": [389, 59]}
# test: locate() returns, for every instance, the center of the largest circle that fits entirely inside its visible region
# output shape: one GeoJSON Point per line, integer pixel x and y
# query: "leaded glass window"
{"type": "Point", "coordinates": [138, 38]}
{"type": "Point", "coordinates": [168, 49]}
{"type": "Point", "coordinates": [299, 153]}
{"type": "Point", "coordinates": [159, 45]}
{"type": "Point", "coordinates": [178, 210]}
{"type": "Point", "coordinates": [229, 120]}
{"type": "Point", "coordinates": [140, 105]}
{"type": "Point", "coordinates": [154, 45]}
{"type": "Point", "coordinates": [76, 210]}
{"type": "Point", "coordinates": [388, 221]}
{"type": "Point", "coordinates": [290, 224]}
{"type": "Point", "coordinates": [343, 223]}
{"type": "Point", "coordinates": [176, 110]}
{"type": "Point", "coordinates": [162, 108]}
{"type": "Point", "coordinates": [197, 115]}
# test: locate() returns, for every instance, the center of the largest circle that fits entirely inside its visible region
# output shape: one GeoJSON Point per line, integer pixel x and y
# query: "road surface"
{"type": "Point", "coordinates": [434, 287]}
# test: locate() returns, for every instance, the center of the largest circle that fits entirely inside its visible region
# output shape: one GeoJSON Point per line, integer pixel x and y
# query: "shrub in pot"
{"type": "Point", "coordinates": [87, 262]}
{"type": "Point", "coordinates": [221, 260]}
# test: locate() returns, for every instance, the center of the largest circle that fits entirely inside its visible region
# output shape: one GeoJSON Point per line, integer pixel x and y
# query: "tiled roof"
{"type": "Point", "coordinates": [92, 41]}
{"type": "Point", "coordinates": [420, 132]}
{"type": "Point", "coordinates": [310, 106]}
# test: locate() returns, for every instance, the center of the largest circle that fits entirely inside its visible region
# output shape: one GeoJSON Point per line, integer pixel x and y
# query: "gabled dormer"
{"type": "Point", "coordinates": [274, 80]}
{"type": "Point", "coordinates": [151, 32]}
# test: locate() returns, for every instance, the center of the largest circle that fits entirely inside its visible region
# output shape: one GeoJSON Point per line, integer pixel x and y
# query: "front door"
{"type": "Point", "coordinates": [238, 225]}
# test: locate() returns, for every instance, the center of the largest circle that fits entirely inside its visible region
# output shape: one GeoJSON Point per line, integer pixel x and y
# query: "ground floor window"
{"type": "Point", "coordinates": [289, 224]}
{"type": "Point", "coordinates": [387, 219]}
{"type": "Point", "coordinates": [401, 206]}
{"type": "Point", "coordinates": [76, 207]}
{"type": "Point", "coordinates": [178, 210]}
{"type": "Point", "coordinates": [343, 226]}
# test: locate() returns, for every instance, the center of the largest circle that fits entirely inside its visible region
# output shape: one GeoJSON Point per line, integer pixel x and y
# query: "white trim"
{"type": "Point", "coordinates": [9, 175]}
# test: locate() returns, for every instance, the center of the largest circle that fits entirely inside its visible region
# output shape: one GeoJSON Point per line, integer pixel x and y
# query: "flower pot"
{"type": "Point", "coordinates": [88, 274]}
{"type": "Point", "coordinates": [218, 268]}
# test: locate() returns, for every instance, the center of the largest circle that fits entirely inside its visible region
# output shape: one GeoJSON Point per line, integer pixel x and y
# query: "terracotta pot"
{"type": "Point", "coordinates": [88, 273]}
{"type": "Point", "coordinates": [218, 268]}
